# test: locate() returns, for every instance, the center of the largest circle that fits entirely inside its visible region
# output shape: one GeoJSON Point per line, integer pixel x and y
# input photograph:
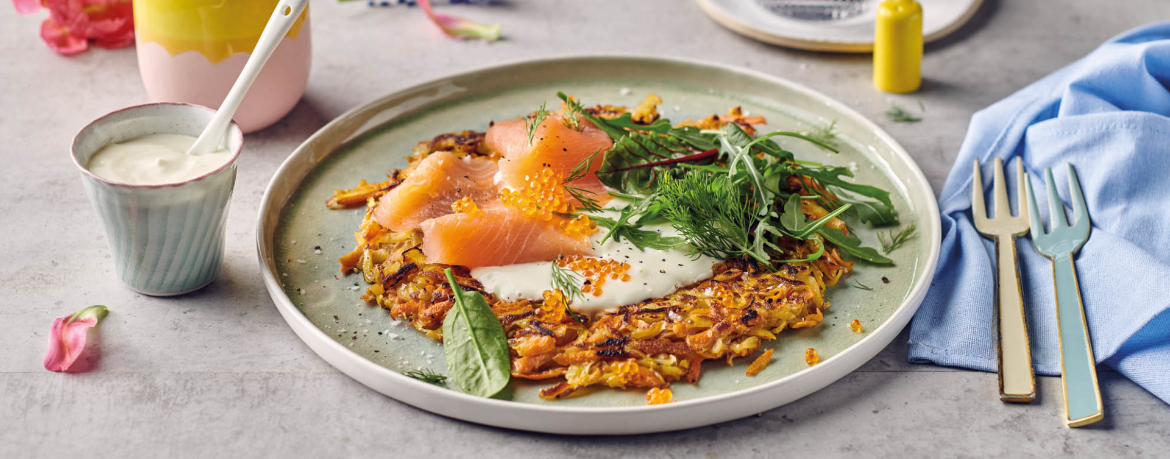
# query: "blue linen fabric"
{"type": "Point", "coordinates": [1108, 115]}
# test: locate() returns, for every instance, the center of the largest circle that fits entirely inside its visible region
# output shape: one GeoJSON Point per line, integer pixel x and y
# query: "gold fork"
{"type": "Point", "coordinates": [1017, 382]}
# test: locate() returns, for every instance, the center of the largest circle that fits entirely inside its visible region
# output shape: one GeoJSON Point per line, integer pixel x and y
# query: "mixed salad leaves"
{"type": "Point", "coordinates": [726, 192]}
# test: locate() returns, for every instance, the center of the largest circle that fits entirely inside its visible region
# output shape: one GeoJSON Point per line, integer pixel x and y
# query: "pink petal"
{"type": "Point", "coordinates": [65, 29]}
{"type": "Point", "coordinates": [27, 7]}
{"type": "Point", "coordinates": [67, 339]}
{"type": "Point", "coordinates": [455, 26]}
{"type": "Point", "coordinates": [111, 23]}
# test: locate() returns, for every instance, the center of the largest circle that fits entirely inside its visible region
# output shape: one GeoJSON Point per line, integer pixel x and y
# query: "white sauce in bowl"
{"type": "Point", "coordinates": [653, 273]}
{"type": "Point", "coordinates": [154, 159]}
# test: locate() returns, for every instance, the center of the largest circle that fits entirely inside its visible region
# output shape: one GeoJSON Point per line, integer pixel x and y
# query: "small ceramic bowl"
{"type": "Point", "coordinates": [166, 239]}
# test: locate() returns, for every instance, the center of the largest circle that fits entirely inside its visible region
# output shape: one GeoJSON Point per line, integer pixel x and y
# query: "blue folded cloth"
{"type": "Point", "coordinates": [1108, 115]}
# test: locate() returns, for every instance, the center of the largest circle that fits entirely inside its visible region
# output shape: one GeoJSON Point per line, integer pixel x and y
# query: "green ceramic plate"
{"type": "Point", "coordinates": [300, 239]}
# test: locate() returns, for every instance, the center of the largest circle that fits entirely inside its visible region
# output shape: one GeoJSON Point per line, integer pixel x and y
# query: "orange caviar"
{"type": "Point", "coordinates": [595, 271]}
{"type": "Point", "coordinates": [465, 205]}
{"type": "Point", "coordinates": [540, 197]}
{"type": "Point", "coordinates": [811, 357]}
{"type": "Point", "coordinates": [855, 325]}
{"type": "Point", "coordinates": [578, 227]}
{"type": "Point", "coordinates": [657, 396]}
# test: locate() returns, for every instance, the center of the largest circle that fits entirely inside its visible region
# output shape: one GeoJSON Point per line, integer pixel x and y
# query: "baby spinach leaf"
{"type": "Point", "coordinates": [475, 344]}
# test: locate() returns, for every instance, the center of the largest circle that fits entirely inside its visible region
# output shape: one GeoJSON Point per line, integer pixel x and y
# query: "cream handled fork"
{"type": "Point", "coordinates": [1078, 366]}
{"type": "Point", "coordinates": [1017, 382]}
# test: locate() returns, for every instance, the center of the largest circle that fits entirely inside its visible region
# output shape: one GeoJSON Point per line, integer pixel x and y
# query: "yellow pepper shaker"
{"type": "Point", "coordinates": [897, 46]}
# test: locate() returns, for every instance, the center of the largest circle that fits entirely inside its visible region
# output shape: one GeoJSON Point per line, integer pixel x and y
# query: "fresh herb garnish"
{"type": "Point", "coordinates": [897, 115]}
{"type": "Point", "coordinates": [428, 376]}
{"type": "Point", "coordinates": [530, 124]}
{"type": "Point", "coordinates": [858, 284]}
{"type": "Point", "coordinates": [852, 245]}
{"type": "Point", "coordinates": [476, 347]}
{"type": "Point", "coordinates": [714, 216]}
{"type": "Point", "coordinates": [566, 281]}
{"type": "Point", "coordinates": [639, 237]}
{"type": "Point", "coordinates": [896, 240]}
{"type": "Point", "coordinates": [572, 116]}
{"type": "Point", "coordinates": [825, 134]}
{"type": "Point", "coordinates": [727, 193]}
{"type": "Point", "coordinates": [578, 193]}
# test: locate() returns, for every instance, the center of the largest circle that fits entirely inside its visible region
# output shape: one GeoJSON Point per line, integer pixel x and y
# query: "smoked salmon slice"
{"type": "Point", "coordinates": [496, 236]}
{"type": "Point", "coordinates": [439, 180]}
{"type": "Point", "coordinates": [553, 145]}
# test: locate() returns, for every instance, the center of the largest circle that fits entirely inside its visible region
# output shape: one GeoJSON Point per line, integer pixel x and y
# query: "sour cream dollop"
{"type": "Point", "coordinates": [653, 273]}
{"type": "Point", "coordinates": [154, 159]}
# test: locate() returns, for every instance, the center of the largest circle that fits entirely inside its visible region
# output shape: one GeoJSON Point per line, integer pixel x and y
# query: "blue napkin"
{"type": "Point", "coordinates": [1107, 115]}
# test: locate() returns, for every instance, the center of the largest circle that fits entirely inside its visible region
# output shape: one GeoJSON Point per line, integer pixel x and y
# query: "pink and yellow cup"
{"type": "Point", "coordinates": [191, 51]}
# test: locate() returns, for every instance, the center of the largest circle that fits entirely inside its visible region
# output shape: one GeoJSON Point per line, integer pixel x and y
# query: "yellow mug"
{"type": "Point", "coordinates": [191, 51]}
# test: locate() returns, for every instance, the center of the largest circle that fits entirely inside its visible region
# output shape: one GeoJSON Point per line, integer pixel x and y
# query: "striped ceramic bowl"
{"type": "Point", "coordinates": [166, 239]}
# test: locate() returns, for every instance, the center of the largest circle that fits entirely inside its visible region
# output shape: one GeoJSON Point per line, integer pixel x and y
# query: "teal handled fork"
{"type": "Point", "coordinates": [1017, 382]}
{"type": "Point", "coordinates": [1082, 396]}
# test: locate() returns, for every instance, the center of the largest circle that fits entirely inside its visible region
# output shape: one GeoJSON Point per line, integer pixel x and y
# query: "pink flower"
{"type": "Point", "coordinates": [67, 339]}
{"type": "Point", "coordinates": [459, 27]}
{"type": "Point", "coordinates": [72, 24]}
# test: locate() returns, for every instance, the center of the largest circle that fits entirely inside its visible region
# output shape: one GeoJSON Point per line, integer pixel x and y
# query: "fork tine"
{"type": "Point", "coordinates": [1033, 213]}
{"type": "Point", "coordinates": [978, 208]}
{"type": "Point", "coordinates": [1080, 211]}
{"type": "Point", "coordinates": [1055, 206]}
{"type": "Point", "coordinates": [1021, 182]}
{"type": "Point", "coordinates": [1002, 208]}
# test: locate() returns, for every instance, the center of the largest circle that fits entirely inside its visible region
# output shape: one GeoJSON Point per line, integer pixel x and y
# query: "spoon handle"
{"type": "Point", "coordinates": [283, 17]}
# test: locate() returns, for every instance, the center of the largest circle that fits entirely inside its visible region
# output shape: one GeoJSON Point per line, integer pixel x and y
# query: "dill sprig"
{"type": "Point", "coordinates": [859, 285]}
{"type": "Point", "coordinates": [572, 116]}
{"type": "Point", "coordinates": [825, 134]}
{"type": "Point", "coordinates": [566, 281]}
{"type": "Point", "coordinates": [898, 115]}
{"type": "Point", "coordinates": [578, 171]}
{"type": "Point", "coordinates": [713, 214]}
{"type": "Point", "coordinates": [428, 376]}
{"type": "Point", "coordinates": [530, 124]}
{"type": "Point", "coordinates": [896, 240]}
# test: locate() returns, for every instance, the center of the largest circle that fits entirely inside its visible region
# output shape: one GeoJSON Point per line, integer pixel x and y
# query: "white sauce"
{"type": "Point", "coordinates": [154, 159]}
{"type": "Point", "coordinates": [653, 273]}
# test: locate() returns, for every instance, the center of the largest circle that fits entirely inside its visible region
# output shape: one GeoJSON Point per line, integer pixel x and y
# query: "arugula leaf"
{"type": "Point", "coordinates": [879, 213]}
{"type": "Point", "coordinates": [476, 347]}
{"type": "Point", "coordinates": [852, 245]}
{"type": "Point", "coordinates": [626, 121]}
{"type": "Point", "coordinates": [639, 237]}
{"type": "Point", "coordinates": [798, 225]}
{"type": "Point", "coordinates": [615, 133]}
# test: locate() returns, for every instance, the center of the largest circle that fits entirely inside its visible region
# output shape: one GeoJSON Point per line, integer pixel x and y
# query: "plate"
{"type": "Point", "coordinates": [851, 35]}
{"type": "Point", "coordinates": [299, 240]}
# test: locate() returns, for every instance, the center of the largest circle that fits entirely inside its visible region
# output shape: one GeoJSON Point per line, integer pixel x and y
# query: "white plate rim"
{"type": "Point", "coordinates": [826, 43]}
{"type": "Point", "coordinates": [594, 420]}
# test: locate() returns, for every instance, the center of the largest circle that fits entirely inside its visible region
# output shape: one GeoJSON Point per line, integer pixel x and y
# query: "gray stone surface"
{"type": "Point", "coordinates": [218, 373]}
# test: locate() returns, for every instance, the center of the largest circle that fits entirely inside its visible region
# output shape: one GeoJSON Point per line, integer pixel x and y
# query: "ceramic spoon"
{"type": "Point", "coordinates": [283, 17]}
